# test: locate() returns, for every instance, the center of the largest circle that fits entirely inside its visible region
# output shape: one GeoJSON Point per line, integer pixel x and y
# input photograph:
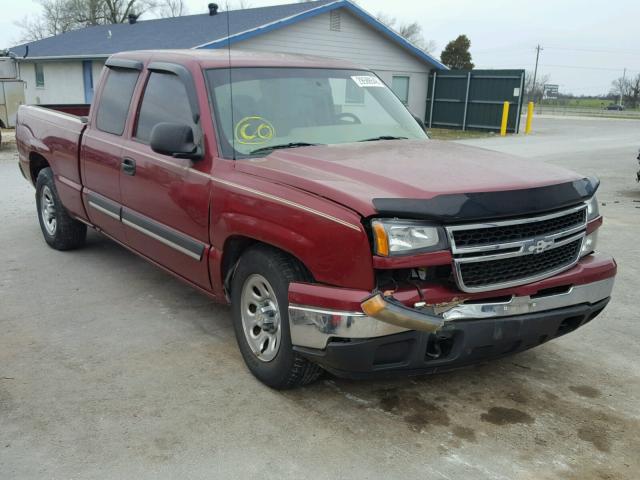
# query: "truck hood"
{"type": "Point", "coordinates": [364, 176]}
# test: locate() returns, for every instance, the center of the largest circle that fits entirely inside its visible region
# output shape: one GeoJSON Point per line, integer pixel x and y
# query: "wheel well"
{"type": "Point", "coordinates": [234, 248]}
{"type": "Point", "coordinates": [36, 163]}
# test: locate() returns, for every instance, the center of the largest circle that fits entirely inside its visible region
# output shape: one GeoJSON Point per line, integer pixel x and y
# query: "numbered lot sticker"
{"type": "Point", "coordinates": [367, 81]}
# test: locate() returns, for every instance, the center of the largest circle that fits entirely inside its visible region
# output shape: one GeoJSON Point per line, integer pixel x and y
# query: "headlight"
{"type": "Point", "coordinates": [589, 244]}
{"type": "Point", "coordinates": [396, 237]}
{"type": "Point", "coordinates": [592, 209]}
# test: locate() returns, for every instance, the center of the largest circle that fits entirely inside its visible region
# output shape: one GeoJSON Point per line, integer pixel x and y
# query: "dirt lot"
{"type": "Point", "coordinates": [110, 368]}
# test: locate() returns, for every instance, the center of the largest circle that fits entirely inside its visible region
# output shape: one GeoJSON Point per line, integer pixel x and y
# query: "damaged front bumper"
{"type": "Point", "coordinates": [354, 334]}
{"type": "Point", "coordinates": [382, 315]}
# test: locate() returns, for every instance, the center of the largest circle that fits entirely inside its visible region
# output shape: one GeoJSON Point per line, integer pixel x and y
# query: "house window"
{"type": "Point", "coordinates": [39, 75]}
{"type": "Point", "coordinates": [334, 21]}
{"type": "Point", "coordinates": [353, 93]}
{"type": "Point", "coordinates": [400, 86]}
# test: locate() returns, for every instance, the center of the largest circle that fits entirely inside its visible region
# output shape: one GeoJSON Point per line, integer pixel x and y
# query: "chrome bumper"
{"type": "Point", "coordinates": [313, 327]}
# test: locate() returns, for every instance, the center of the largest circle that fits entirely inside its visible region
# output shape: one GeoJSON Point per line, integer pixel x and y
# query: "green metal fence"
{"type": "Point", "coordinates": [474, 99]}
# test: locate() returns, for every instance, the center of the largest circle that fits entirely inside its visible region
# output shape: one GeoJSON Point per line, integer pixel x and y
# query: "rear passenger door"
{"type": "Point", "coordinates": [101, 150]}
{"type": "Point", "coordinates": [166, 199]}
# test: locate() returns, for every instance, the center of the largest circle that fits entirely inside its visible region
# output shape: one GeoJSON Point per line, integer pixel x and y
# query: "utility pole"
{"type": "Point", "coordinates": [535, 71]}
{"type": "Point", "coordinates": [624, 74]}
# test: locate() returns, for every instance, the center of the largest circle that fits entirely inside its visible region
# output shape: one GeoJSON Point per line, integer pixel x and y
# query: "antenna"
{"type": "Point", "coordinates": [233, 133]}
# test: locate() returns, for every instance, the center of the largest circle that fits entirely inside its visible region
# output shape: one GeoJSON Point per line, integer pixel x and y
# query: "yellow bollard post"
{"type": "Point", "coordinates": [527, 128]}
{"type": "Point", "coordinates": [505, 118]}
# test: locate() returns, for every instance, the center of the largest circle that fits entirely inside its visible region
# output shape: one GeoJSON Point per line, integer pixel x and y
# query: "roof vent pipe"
{"type": "Point", "coordinates": [132, 18]}
{"type": "Point", "coordinates": [213, 9]}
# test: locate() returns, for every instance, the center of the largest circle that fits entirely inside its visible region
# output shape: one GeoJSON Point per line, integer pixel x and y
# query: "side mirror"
{"type": "Point", "coordinates": [175, 139]}
{"type": "Point", "coordinates": [420, 122]}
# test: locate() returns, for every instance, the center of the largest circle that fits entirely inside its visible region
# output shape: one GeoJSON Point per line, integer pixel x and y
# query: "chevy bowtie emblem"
{"type": "Point", "coordinates": [538, 246]}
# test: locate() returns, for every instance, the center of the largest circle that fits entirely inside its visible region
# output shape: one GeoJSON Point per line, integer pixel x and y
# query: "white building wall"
{"type": "Point", "coordinates": [63, 82]}
{"type": "Point", "coordinates": [354, 41]}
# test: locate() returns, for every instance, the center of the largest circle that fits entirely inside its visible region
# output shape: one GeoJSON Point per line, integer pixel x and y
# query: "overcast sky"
{"type": "Point", "coordinates": [586, 44]}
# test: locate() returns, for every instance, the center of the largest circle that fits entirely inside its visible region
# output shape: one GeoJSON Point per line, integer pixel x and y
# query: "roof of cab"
{"type": "Point", "coordinates": [235, 58]}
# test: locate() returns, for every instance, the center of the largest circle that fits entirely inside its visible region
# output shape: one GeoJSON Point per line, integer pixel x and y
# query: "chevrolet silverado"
{"type": "Point", "coordinates": [303, 192]}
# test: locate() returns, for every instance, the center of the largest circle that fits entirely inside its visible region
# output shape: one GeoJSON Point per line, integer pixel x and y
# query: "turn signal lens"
{"type": "Point", "coordinates": [373, 305]}
{"type": "Point", "coordinates": [380, 238]}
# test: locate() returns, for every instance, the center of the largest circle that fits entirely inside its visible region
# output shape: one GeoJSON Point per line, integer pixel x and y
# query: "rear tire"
{"type": "Point", "coordinates": [59, 229]}
{"type": "Point", "coordinates": [259, 299]}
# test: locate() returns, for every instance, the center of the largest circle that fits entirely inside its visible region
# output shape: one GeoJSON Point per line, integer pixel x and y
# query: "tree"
{"type": "Point", "coordinates": [59, 16]}
{"type": "Point", "coordinates": [456, 54]}
{"type": "Point", "coordinates": [536, 91]}
{"type": "Point", "coordinates": [171, 8]}
{"type": "Point", "coordinates": [411, 32]}
{"type": "Point", "coordinates": [627, 90]}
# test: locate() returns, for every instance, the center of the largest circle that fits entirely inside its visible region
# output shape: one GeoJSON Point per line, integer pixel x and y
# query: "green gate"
{"type": "Point", "coordinates": [474, 99]}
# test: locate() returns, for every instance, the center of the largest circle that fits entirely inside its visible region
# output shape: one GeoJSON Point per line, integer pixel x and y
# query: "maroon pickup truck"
{"type": "Point", "coordinates": [301, 191]}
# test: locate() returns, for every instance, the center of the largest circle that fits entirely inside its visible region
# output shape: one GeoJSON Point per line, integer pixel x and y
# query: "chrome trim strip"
{"type": "Point", "coordinates": [519, 253]}
{"type": "Point", "coordinates": [576, 295]}
{"type": "Point", "coordinates": [505, 223]}
{"type": "Point", "coordinates": [289, 203]}
{"type": "Point", "coordinates": [163, 240]}
{"type": "Point", "coordinates": [514, 283]}
{"type": "Point", "coordinates": [326, 311]}
{"type": "Point", "coordinates": [104, 210]}
{"type": "Point", "coordinates": [310, 329]}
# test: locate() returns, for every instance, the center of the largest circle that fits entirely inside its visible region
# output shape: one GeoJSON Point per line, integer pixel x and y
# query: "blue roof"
{"type": "Point", "coordinates": [196, 31]}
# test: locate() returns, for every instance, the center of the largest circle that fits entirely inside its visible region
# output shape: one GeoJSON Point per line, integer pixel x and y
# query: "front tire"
{"type": "Point", "coordinates": [259, 299]}
{"type": "Point", "coordinates": [59, 229]}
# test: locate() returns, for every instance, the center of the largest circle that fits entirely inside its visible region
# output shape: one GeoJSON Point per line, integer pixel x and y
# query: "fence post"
{"type": "Point", "coordinates": [527, 128]}
{"type": "Point", "coordinates": [433, 98]}
{"type": "Point", "coordinates": [466, 103]}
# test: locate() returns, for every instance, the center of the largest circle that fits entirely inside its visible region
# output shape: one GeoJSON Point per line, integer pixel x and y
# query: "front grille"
{"type": "Point", "coordinates": [505, 270]}
{"type": "Point", "coordinates": [507, 253]}
{"type": "Point", "coordinates": [512, 233]}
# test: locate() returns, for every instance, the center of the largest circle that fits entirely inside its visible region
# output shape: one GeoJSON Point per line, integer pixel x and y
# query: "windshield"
{"type": "Point", "coordinates": [260, 108]}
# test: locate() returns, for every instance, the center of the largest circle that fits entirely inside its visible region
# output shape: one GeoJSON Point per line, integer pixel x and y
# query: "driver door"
{"type": "Point", "coordinates": [166, 199]}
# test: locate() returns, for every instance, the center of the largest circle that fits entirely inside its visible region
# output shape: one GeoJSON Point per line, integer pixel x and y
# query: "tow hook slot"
{"type": "Point", "coordinates": [439, 345]}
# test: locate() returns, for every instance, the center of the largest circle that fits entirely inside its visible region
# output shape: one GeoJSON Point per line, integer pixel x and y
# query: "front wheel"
{"type": "Point", "coordinates": [60, 230]}
{"type": "Point", "coordinates": [259, 298]}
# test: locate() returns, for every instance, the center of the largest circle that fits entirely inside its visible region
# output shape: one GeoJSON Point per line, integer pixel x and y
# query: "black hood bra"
{"type": "Point", "coordinates": [466, 207]}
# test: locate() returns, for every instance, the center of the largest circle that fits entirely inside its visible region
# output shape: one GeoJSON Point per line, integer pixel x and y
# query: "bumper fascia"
{"type": "Point", "coordinates": [459, 343]}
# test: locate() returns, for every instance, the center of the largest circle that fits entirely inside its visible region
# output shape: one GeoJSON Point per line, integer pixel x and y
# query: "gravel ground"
{"type": "Point", "coordinates": [110, 368]}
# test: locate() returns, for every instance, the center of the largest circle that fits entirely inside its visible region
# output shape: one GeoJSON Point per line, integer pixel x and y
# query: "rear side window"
{"type": "Point", "coordinates": [165, 100]}
{"type": "Point", "coordinates": [115, 100]}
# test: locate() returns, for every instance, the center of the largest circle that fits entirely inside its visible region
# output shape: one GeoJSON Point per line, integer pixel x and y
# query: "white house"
{"type": "Point", "coordinates": [63, 69]}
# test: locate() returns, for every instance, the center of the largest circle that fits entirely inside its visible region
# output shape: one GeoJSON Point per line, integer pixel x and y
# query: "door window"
{"type": "Point", "coordinates": [115, 100]}
{"type": "Point", "coordinates": [165, 100]}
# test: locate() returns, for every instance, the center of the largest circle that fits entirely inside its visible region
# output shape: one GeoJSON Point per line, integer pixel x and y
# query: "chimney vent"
{"type": "Point", "coordinates": [133, 18]}
{"type": "Point", "coordinates": [213, 9]}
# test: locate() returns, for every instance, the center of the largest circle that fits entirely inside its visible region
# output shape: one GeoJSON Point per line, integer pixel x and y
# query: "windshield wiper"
{"type": "Point", "coordinates": [383, 137]}
{"type": "Point", "coordinates": [283, 146]}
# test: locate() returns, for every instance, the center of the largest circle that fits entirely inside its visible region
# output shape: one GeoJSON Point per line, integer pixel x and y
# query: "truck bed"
{"type": "Point", "coordinates": [55, 136]}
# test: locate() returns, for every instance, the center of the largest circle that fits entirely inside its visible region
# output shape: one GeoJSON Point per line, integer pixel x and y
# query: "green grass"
{"type": "Point", "coordinates": [449, 134]}
{"type": "Point", "coordinates": [597, 103]}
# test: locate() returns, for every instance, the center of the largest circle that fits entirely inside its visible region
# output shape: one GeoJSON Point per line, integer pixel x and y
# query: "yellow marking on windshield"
{"type": "Point", "coordinates": [254, 130]}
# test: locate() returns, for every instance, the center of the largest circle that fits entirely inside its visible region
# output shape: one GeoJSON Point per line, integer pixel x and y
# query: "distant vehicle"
{"type": "Point", "coordinates": [615, 106]}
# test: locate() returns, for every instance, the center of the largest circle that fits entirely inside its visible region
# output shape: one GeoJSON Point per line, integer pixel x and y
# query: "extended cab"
{"type": "Point", "coordinates": [303, 192]}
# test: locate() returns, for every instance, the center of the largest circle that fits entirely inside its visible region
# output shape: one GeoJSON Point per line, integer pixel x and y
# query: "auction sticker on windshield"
{"type": "Point", "coordinates": [367, 81]}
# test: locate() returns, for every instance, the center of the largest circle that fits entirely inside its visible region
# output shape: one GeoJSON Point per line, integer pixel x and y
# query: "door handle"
{"type": "Point", "coordinates": [128, 166]}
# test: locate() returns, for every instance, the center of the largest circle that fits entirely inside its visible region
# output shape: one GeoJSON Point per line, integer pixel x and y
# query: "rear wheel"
{"type": "Point", "coordinates": [59, 229]}
{"type": "Point", "coordinates": [259, 297]}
